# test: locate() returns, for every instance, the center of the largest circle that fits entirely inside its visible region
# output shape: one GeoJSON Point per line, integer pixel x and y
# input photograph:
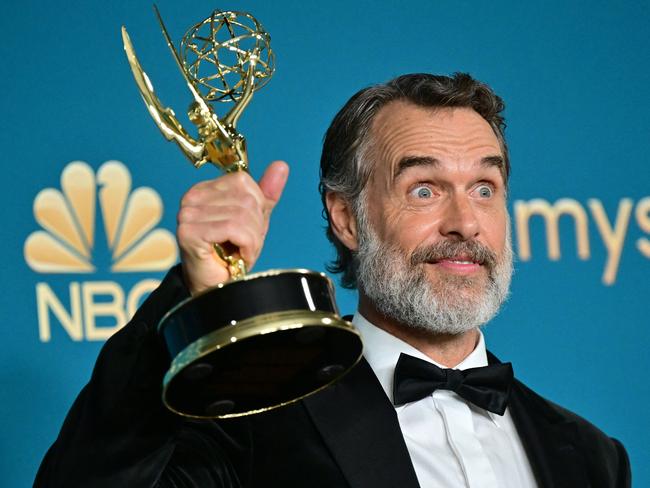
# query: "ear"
{"type": "Point", "coordinates": [342, 219]}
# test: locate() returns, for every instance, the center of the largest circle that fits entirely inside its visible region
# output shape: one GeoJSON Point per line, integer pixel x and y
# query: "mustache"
{"type": "Point", "coordinates": [449, 249]}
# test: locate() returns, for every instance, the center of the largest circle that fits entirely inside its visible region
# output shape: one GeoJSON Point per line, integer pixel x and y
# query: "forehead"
{"type": "Point", "coordinates": [450, 135]}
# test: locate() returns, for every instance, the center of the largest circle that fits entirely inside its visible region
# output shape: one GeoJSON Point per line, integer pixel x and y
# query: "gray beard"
{"type": "Point", "coordinates": [399, 288]}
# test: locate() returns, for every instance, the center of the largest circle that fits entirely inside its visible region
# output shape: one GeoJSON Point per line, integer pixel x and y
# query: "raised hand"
{"type": "Point", "coordinates": [233, 210]}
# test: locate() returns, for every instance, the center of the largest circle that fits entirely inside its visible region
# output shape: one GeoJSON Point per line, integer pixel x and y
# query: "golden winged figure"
{"type": "Point", "coordinates": [245, 43]}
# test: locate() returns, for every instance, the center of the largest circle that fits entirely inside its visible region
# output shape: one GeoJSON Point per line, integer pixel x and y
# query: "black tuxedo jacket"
{"type": "Point", "coordinates": [118, 434]}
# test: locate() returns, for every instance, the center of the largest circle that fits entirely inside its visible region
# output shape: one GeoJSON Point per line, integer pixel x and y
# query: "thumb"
{"type": "Point", "coordinates": [273, 181]}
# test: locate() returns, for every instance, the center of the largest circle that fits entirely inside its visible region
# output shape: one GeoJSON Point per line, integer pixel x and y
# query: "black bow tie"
{"type": "Point", "coordinates": [487, 387]}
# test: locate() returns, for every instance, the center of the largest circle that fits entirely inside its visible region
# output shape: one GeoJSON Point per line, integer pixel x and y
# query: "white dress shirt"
{"type": "Point", "coordinates": [452, 443]}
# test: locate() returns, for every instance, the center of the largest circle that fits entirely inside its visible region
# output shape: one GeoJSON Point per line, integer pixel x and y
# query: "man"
{"type": "Point", "coordinates": [414, 181]}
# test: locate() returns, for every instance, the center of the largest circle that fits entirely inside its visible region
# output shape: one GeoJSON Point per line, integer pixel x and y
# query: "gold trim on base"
{"type": "Point", "coordinates": [253, 327]}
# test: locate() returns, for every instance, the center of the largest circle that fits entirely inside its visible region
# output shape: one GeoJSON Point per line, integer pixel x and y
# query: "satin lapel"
{"type": "Point", "coordinates": [548, 438]}
{"type": "Point", "coordinates": [360, 427]}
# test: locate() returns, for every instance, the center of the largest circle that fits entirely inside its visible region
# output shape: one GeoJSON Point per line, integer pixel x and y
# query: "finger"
{"type": "Point", "coordinates": [273, 182]}
{"type": "Point", "coordinates": [239, 187]}
{"type": "Point", "coordinates": [196, 239]}
{"type": "Point", "coordinates": [243, 215]}
{"type": "Point", "coordinates": [240, 241]}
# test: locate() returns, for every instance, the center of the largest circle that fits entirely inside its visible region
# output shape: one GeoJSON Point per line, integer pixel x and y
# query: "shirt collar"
{"type": "Point", "coordinates": [382, 351]}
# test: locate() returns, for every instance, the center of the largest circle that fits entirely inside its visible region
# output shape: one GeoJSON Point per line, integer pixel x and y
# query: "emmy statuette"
{"type": "Point", "coordinates": [257, 341]}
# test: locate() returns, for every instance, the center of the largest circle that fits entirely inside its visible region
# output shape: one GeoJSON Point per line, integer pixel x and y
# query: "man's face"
{"type": "Point", "coordinates": [435, 251]}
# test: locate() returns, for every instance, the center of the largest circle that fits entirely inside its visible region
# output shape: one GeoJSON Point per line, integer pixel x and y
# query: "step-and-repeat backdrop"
{"type": "Point", "coordinates": [90, 188]}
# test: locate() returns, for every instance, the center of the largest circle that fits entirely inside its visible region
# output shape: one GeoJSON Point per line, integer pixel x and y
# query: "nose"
{"type": "Point", "coordinates": [459, 219]}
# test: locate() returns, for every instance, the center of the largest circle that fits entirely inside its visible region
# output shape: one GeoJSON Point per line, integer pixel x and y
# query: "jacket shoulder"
{"type": "Point", "coordinates": [605, 457]}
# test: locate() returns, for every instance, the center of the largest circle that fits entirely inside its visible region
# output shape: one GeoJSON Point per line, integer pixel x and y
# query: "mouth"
{"type": "Point", "coordinates": [459, 259]}
{"type": "Point", "coordinates": [459, 264]}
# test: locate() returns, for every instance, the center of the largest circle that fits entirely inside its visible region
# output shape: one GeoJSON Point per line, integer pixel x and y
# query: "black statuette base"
{"type": "Point", "coordinates": [256, 344]}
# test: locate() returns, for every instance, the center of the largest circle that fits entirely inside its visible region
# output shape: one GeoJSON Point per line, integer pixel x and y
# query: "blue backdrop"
{"type": "Point", "coordinates": [575, 77]}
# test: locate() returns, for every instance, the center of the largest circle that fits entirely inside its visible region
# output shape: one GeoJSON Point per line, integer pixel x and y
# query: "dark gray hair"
{"type": "Point", "coordinates": [343, 168]}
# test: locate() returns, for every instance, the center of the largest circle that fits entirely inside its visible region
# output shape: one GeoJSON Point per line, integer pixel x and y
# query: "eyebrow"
{"type": "Point", "coordinates": [411, 161]}
{"type": "Point", "coordinates": [494, 161]}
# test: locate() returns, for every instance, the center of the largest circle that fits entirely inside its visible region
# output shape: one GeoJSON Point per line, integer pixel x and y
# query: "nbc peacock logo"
{"type": "Point", "coordinates": [68, 241]}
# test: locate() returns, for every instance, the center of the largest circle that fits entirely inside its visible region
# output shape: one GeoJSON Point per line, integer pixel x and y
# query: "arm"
{"type": "Point", "coordinates": [117, 427]}
{"type": "Point", "coordinates": [118, 433]}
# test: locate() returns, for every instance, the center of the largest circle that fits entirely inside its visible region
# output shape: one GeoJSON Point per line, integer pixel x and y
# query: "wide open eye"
{"type": "Point", "coordinates": [485, 191]}
{"type": "Point", "coordinates": [421, 191]}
